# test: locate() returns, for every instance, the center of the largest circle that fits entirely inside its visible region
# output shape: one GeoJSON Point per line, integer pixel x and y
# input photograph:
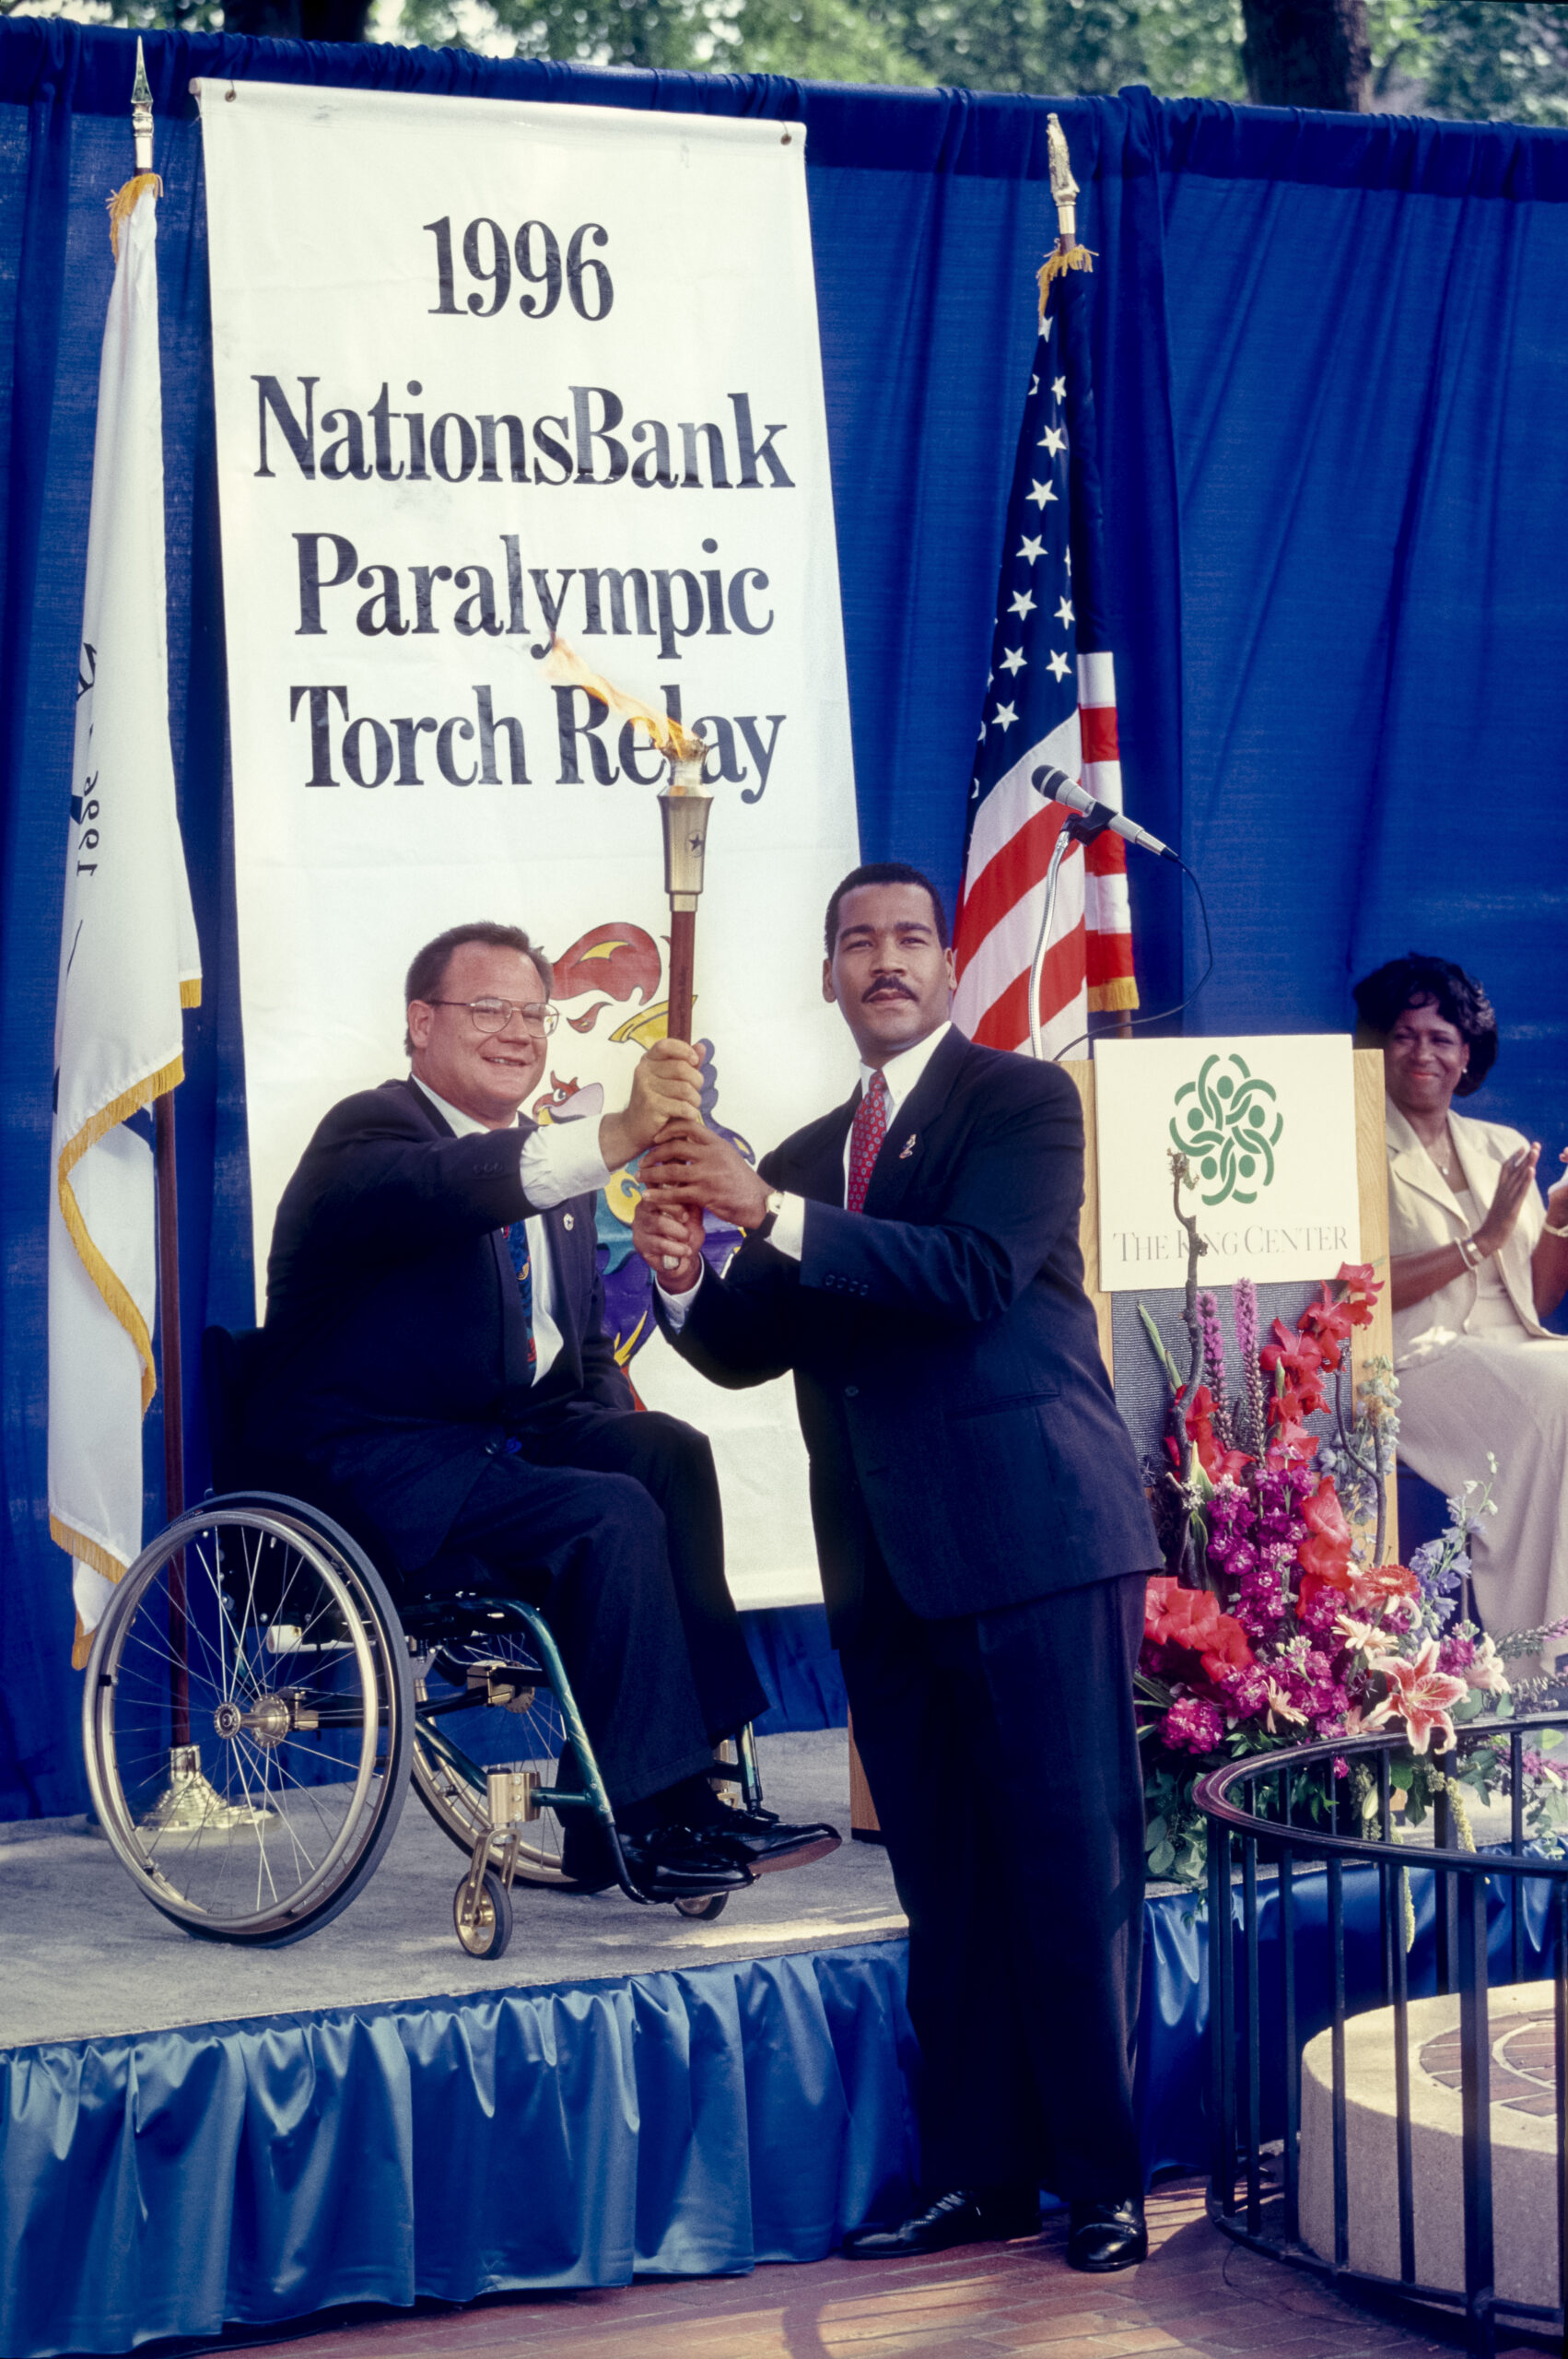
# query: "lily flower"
{"type": "Point", "coordinates": [1485, 1670]}
{"type": "Point", "coordinates": [1420, 1695]}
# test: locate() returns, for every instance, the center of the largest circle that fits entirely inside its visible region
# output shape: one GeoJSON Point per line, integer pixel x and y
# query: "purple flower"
{"type": "Point", "coordinates": [1244, 1317]}
{"type": "Point", "coordinates": [1426, 1563]}
{"type": "Point", "coordinates": [1193, 1725]}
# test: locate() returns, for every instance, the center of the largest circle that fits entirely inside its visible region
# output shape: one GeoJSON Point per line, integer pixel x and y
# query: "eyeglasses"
{"type": "Point", "coordinates": [494, 1014]}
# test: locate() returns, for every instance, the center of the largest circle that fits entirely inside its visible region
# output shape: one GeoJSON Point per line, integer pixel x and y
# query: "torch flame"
{"type": "Point", "coordinates": [563, 668]}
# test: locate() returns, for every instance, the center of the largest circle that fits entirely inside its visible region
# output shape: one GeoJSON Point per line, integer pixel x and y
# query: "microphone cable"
{"type": "Point", "coordinates": [1161, 1014]}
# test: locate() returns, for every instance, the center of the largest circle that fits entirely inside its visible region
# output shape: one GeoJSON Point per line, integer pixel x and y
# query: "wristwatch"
{"type": "Point", "coordinates": [775, 1206]}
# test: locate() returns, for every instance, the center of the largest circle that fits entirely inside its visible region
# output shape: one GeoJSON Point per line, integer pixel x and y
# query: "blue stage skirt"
{"type": "Point", "coordinates": [675, 2124]}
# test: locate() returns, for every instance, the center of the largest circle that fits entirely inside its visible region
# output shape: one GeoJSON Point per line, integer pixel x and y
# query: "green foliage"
{"type": "Point", "coordinates": [1476, 59]}
{"type": "Point", "coordinates": [1485, 61]}
{"type": "Point", "coordinates": [1176, 1834]}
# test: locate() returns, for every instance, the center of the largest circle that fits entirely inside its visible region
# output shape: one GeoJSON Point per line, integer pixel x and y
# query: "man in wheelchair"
{"type": "Point", "coordinates": [434, 1369]}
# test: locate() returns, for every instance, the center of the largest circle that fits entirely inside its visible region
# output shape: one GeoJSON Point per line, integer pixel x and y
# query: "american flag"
{"type": "Point", "coordinates": [1050, 698]}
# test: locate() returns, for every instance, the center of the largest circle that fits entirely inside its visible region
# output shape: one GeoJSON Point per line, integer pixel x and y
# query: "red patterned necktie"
{"type": "Point", "coordinates": [865, 1139]}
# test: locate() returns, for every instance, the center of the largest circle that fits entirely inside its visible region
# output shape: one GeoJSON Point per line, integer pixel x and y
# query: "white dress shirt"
{"type": "Point", "coordinates": [788, 1231]}
{"type": "Point", "coordinates": [555, 1162]}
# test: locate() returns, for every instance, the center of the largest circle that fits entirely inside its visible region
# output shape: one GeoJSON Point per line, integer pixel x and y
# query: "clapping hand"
{"type": "Point", "coordinates": [1513, 1184]}
{"type": "Point", "coordinates": [1557, 1198]}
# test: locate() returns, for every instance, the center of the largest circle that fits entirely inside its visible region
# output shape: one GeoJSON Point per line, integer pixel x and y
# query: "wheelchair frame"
{"type": "Point", "coordinates": [230, 1640]}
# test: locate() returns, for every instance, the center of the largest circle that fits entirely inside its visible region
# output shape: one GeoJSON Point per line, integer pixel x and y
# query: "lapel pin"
{"type": "Point", "coordinates": [566, 1220]}
{"type": "Point", "coordinates": [908, 1148]}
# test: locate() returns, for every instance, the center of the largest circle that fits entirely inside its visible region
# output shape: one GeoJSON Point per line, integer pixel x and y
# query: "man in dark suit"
{"type": "Point", "coordinates": [434, 1361]}
{"type": "Point", "coordinates": [984, 1538]}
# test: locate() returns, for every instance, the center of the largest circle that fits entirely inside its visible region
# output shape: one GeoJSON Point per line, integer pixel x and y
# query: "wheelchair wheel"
{"type": "Point", "coordinates": [707, 1906]}
{"type": "Point", "coordinates": [459, 1729]}
{"type": "Point", "coordinates": [486, 1930]}
{"type": "Point", "coordinates": [248, 1720]}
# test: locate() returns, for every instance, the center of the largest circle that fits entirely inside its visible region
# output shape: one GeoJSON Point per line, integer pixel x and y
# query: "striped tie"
{"type": "Point", "coordinates": [865, 1139]}
{"type": "Point", "coordinates": [516, 1246]}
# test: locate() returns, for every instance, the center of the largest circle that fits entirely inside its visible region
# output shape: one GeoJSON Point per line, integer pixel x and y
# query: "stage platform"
{"type": "Point", "coordinates": [193, 2135]}
{"type": "Point", "coordinates": [83, 1957]}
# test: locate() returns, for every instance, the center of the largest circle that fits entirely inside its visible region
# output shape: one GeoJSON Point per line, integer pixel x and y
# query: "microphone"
{"type": "Point", "coordinates": [1057, 787]}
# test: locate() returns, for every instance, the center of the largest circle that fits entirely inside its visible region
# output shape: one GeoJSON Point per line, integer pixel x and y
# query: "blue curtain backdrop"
{"type": "Point", "coordinates": [1331, 372]}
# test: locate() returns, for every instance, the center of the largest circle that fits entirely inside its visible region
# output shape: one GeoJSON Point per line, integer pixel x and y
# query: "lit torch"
{"type": "Point", "coordinates": [683, 806]}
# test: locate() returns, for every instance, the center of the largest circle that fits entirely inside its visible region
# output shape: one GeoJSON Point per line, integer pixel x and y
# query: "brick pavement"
{"type": "Point", "coordinates": [1198, 2297]}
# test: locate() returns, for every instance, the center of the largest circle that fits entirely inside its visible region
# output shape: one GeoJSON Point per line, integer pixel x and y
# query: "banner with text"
{"type": "Point", "coordinates": [1268, 1130]}
{"type": "Point", "coordinates": [486, 372]}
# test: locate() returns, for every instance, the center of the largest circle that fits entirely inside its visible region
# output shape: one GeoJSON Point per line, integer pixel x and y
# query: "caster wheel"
{"type": "Point", "coordinates": [487, 1933]}
{"type": "Point", "coordinates": [708, 1905]}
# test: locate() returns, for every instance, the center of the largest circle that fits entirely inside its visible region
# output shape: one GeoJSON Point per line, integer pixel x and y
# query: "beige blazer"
{"type": "Point", "coordinates": [1423, 1213]}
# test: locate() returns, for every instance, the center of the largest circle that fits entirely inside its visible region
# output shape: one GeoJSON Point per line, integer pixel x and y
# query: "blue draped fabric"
{"type": "Point", "coordinates": [684, 2124]}
{"type": "Point", "coordinates": [675, 2124]}
{"type": "Point", "coordinates": [797, 1667]}
{"type": "Point", "coordinates": [1329, 372]}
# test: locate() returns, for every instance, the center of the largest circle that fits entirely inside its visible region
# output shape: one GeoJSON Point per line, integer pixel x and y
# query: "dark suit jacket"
{"type": "Point", "coordinates": [393, 1359]}
{"type": "Point", "coordinates": [945, 1356]}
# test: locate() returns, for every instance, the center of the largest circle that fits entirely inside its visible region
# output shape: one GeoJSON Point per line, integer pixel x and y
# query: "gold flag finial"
{"type": "Point", "coordinates": [1066, 254]}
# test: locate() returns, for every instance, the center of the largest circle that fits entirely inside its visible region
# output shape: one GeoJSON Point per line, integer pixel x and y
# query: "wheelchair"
{"type": "Point", "coordinates": [256, 1707]}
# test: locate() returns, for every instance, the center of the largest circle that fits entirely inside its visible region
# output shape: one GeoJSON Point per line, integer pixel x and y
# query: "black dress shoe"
{"type": "Point", "coordinates": [768, 1844]}
{"type": "Point", "coordinates": [966, 2217]}
{"type": "Point", "coordinates": [1103, 2236]}
{"type": "Point", "coordinates": [684, 1862]}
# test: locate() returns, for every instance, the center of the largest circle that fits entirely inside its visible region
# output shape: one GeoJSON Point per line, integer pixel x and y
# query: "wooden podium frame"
{"type": "Point", "coordinates": [1367, 1343]}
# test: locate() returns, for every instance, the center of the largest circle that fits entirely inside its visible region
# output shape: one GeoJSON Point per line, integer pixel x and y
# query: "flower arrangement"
{"type": "Point", "coordinates": [1276, 1620]}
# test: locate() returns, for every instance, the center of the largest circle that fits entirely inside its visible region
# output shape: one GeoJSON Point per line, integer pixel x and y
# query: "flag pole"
{"type": "Point", "coordinates": [169, 1373]}
{"type": "Point", "coordinates": [171, 1379]}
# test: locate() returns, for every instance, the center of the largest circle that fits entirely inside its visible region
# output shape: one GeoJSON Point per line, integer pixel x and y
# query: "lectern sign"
{"type": "Point", "coordinates": [1267, 1129]}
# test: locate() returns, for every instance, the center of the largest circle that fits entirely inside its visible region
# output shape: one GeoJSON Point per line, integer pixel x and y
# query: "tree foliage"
{"type": "Point", "coordinates": [1468, 58]}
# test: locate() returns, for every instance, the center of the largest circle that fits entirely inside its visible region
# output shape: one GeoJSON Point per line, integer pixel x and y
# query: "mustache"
{"type": "Point", "coordinates": [888, 984]}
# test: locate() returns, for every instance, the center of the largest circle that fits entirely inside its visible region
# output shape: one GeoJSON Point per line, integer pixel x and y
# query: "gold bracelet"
{"type": "Point", "coordinates": [1548, 1230]}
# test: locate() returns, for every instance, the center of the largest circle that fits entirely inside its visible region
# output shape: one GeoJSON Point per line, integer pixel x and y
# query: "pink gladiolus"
{"type": "Point", "coordinates": [1420, 1695]}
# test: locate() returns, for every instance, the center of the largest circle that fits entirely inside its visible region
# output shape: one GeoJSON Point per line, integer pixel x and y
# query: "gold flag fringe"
{"type": "Point", "coordinates": [124, 201]}
{"type": "Point", "coordinates": [77, 1543]}
{"type": "Point", "coordinates": [1119, 993]}
{"type": "Point", "coordinates": [191, 992]}
{"type": "Point", "coordinates": [117, 1300]}
{"type": "Point", "coordinates": [1060, 261]}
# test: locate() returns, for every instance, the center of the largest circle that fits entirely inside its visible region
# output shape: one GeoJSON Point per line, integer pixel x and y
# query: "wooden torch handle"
{"type": "Point", "coordinates": [683, 953]}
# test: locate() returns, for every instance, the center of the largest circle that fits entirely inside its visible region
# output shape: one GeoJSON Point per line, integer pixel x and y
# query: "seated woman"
{"type": "Point", "coordinates": [1475, 1264]}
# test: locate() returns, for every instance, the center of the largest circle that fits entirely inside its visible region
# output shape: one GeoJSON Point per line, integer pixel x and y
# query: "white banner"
{"type": "Point", "coordinates": [128, 956]}
{"type": "Point", "coordinates": [1268, 1130]}
{"type": "Point", "coordinates": [484, 371]}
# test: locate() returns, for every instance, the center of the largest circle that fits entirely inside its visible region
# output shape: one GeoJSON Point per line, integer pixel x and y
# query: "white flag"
{"type": "Point", "coordinates": [128, 957]}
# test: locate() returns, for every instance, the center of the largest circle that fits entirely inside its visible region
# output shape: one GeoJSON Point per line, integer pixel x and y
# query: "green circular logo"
{"type": "Point", "coordinates": [1229, 1127]}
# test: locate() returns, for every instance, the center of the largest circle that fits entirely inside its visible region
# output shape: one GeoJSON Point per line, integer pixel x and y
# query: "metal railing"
{"type": "Point", "coordinates": [1340, 1912]}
